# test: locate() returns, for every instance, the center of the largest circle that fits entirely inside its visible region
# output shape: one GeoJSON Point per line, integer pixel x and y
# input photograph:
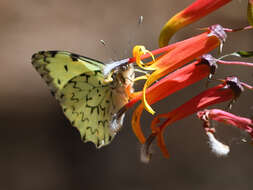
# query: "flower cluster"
{"type": "Point", "coordinates": [181, 64]}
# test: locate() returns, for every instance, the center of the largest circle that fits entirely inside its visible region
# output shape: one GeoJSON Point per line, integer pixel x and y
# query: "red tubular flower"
{"type": "Point", "coordinates": [183, 53]}
{"type": "Point", "coordinates": [175, 81]}
{"type": "Point", "coordinates": [187, 75]}
{"type": "Point", "coordinates": [229, 90]}
{"type": "Point", "coordinates": [192, 13]}
{"type": "Point", "coordinates": [243, 123]}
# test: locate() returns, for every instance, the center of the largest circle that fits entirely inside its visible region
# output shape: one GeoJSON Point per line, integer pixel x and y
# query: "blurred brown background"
{"type": "Point", "coordinates": [38, 147]}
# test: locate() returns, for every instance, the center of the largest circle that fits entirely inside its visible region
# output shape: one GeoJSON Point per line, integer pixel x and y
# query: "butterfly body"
{"type": "Point", "coordinates": [88, 100]}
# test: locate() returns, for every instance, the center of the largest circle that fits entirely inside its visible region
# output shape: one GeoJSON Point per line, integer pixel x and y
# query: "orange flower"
{"type": "Point", "coordinates": [192, 13]}
{"type": "Point", "coordinates": [173, 82]}
{"type": "Point", "coordinates": [182, 53]}
{"type": "Point", "coordinates": [229, 90]}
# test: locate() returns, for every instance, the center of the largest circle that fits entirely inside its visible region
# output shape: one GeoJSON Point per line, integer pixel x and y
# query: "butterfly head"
{"type": "Point", "coordinates": [124, 75]}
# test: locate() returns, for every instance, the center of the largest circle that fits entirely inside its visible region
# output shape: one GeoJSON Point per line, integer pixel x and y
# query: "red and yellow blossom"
{"type": "Point", "coordinates": [170, 84]}
{"type": "Point", "coordinates": [183, 52]}
{"type": "Point", "coordinates": [192, 13]}
{"type": "Point", "coordinates": [228, 90]}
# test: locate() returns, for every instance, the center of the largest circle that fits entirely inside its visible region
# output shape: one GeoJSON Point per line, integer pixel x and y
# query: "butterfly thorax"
{"type": "Point", "coordinates": [122, 85]}
{"type": "Point", "coordinates": [123, 76]}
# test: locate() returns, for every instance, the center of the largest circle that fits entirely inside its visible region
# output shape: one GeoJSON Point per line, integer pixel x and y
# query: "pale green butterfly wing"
{"type": "Point", "coordinates": [87, 100]}
{"type": "Point", "coordinates": [58, 67]}
{"type": "Point", "coordinates": [90, 107]}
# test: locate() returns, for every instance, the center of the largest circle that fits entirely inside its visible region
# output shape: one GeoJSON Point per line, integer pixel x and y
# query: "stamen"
{"type": "Point", "coordinates": [218, 31]}
{"type": "Point", "coordinates": [138, 51]}
{"type": "Point", "coordinates": [144, 77]}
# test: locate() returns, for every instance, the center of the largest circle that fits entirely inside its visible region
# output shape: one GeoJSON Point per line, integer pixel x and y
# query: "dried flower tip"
{"type": "Point", "coordinates": [146, 152]}
{"type": "Point", "coordinates": [234, 84]}
{"type": "Point", "coordinates": [218, 148]}
{"type": "Point", "coordinates": [209, 60]}
{"type": "Point", "coordinates": [218, 31]}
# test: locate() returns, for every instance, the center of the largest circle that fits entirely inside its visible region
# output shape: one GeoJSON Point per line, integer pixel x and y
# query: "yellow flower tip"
{"type": "Point", "coordinates": [174, 24]}
{"type": "Point", "coordinates": [138, 51]}
{"type": "Point", "coordinates": [146, 105]}
{"type": "Point", "coordinates": [166, 33]}
{"type": "Point", "coordinates": [143, 77]}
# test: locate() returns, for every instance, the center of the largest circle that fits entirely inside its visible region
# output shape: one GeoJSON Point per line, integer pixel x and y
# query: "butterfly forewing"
{"type": "Point", "coordinates": [86, 99]}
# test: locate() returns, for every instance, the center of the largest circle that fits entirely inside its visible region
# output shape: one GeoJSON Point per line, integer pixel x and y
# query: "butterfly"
{"type": "Point", "coordinates": [89, 100]}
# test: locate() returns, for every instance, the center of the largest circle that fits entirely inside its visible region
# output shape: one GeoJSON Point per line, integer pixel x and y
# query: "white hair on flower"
{"type": "Point", "coordinates": [218, 148]}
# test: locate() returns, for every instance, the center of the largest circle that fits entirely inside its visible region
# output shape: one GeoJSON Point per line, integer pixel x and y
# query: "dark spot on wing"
{"type": "Point", "coordinates": [53, 53]}
{"type": "Point", "coordinates": [34, 56]}
{"type": "Point", "coordinates": [85, 75]}
{"type": "Point", "coordinates": [59, 81]}
{"type": "Point", "coordinates": [45, 59]}
{"type": "Point", "coordinates": [66, 68]}
{"type": "Point", "coordinates": [84, 137]}
{"type": "Point", "coordinates": [96, 71]}
{"type": "Point", "coordinates": [53, 93]}
{"type": "Point", "coordinates": [74, 56]}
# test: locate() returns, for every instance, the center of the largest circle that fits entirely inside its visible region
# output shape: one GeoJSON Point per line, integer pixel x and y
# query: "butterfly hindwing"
{"type": "Point", "coordinates": [86, 99]}
{"type": "Point", "coordinates": [90, 108]}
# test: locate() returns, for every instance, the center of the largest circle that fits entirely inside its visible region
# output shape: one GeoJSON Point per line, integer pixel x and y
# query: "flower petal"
{"type": "Point", "coordinates": [192, 13]}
